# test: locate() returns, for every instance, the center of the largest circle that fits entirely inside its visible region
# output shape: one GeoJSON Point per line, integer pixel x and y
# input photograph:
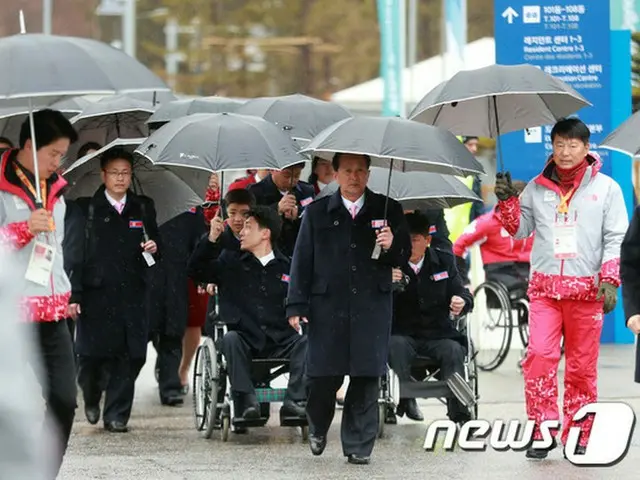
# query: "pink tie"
{"type": "Point", "coordinates": [354, 211]}
{"type": "Point", "coordinates": [415, 268]}
{"type": "Point", "coordinates": [119, 207]}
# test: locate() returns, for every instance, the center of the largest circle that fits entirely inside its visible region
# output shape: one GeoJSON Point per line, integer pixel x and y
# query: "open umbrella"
{"type": "Point", "coordinates": [396, 143]}
{"type": "Point", "coordinates": [416, 190]}
{"type": "Point", "coordinates": [218, 142]}
{"type": "Point", "coordinates": [182, 108]}
{"type": "Point", "coordinates": [497, 99]}
{"type": "Point", "coordinates": [625, 138]}
{"type": "Point", "coordinates": [171, 195]}
{"type": "Point", "coordinates": [41, 69]}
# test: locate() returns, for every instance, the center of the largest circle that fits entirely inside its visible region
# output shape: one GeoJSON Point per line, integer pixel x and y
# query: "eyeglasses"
{"type": "Point", "coordinates": [116, 174]}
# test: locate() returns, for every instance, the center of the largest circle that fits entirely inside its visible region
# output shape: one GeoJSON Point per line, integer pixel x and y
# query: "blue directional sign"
{"type": "Point", "coordinates": [571, 41]}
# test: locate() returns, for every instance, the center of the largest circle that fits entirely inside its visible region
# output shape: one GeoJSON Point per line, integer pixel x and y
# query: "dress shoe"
{"type": "Point", "coordinates": [116, 426]}
{"type": "Point", "coordinates": [541, 453]}
{"type": "Point", "coordinates": [172, 400]}
{"type": "Point", "coordinates": [92, 413]}
{"type": "Point", "coordinates": [358, 460]}
{"type": "Point", "coordinates": [317, 444]}
{"type": "Point", "coordinates": [291, 408]}
{"type": "Point", "coordinates": [252, 412]}
{"type": "Point", "coordinates": [409, 406]}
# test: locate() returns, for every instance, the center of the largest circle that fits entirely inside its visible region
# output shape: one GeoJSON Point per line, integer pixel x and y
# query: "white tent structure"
{"type": "Point", "coordinates": [366, 98]}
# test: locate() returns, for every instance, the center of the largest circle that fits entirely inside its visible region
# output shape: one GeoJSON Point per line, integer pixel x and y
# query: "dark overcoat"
{"type": "Point", "coordinates": [252, 296]}
{"type": "Point", "coordinates": [422, 309]}
{"type": "Point", "coordinates": [630, 276]}
{"type": "Point", "coordinates": [114, 277]}
{"type": "Point", "coordinates": [345, 294]}
{"type": "Point", "coordinates": [266, 193]}
{"type": "Point", "coordinates": [169, 298]}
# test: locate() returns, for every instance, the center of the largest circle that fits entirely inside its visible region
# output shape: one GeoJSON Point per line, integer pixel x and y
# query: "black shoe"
{"type": "Point", "coordinates": [172, 400]}
{"type": "Point", "coordinates": [409, 406]}
{"type": "Point", "coordinates": [116, 427]}
{"type": "Point", "coordinates": [92, 414]}
{"type": "Point", "coordinates": [291, 408]}
{"type": "Point", "coordinates": [358, 460]}
{"type": "Point", "coordinates": [252, 412]}
{"type": "Point", "coordinates": [317, 444]}
{"type": "Point", "coordinates": [541, 453]}
{"type": "Point", "coordinates": [580, 450]}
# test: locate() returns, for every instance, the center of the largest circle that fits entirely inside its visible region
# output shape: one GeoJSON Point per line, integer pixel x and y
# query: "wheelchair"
{"type": "Point", "coordinates": [427, 382]}
{"type": "Point", "coordinates": [212, 402]}
{"type": "Point", "coordinates": [498, 311]}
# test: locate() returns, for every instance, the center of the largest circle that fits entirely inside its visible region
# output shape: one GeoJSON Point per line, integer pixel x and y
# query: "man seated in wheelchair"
{"type": "Point", "coordinates": [505, 259]}
{"type": "Point", "coordinates": [252, 285]}
{"type": "Point", "coordinates": [422, 324]}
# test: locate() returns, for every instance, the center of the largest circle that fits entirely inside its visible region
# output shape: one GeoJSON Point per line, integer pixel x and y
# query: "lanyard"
{"type": "Point", "coordinates": [27, 183]}
{"type": "Point", "coordinates": [563, 207]}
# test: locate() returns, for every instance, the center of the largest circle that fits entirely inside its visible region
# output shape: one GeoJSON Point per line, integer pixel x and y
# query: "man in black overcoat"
{"type": "Point", "coordinates": [283, 191]}
{"type": "Point", "coordinates": [346, 297]}
{"type": "Point", "coordinates": [630, 276]}
{"type": "Point", "coordinates": [113, 330]}
{"type": "Point", "coordinates": [252, 285]}
{"type": "Point", "coordinates": [422, 324]}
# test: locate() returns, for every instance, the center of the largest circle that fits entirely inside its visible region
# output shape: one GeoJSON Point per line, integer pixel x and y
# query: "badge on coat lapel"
{"type": "Point", "coordinates": [135, 224]}
{"type": "Point", "coordinates": [192, 210]}
{"type": "Point", "coordinates": [306, 201]}
{"type": "Point", "coordinates": [440, 276]}
{"type": "Point", "coordinates": [20, 204]}
{"type": "Point", "coordinates": [550, 196]}
{"type": "Point", "coordinates": [378, 223]}
{"type": "Point", "coordinates": [432, 229]}
{"type": "Point", "coordinates": [285, 278]}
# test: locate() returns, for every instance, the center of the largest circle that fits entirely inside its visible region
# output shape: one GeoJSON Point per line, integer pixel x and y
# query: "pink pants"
{"type": "Point", "coordinates": [581, 324]}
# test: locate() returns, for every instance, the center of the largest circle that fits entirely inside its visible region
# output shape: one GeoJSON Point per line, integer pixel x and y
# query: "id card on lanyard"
{"type": "Point", "coordinates": [565, 238]}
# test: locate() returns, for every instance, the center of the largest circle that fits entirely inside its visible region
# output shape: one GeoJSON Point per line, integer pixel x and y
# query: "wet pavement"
{"type": "Point", "coordinates": [164, 445]}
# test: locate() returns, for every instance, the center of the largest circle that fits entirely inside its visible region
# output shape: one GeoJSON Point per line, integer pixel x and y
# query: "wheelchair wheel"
{"type": "Point", "coordinates": [382, 410]}
{"type": "Point", "coordinates": [304, 431]}
{"type": "Point", "coordinates": [226, 426]}
{"type": "Point", "coordinates": [522, 308]}
{"type": "Point", "coordinates": [494, 324]}
{"type": "Point", "coordinates": [206, 388]}
{"type": "Point", "coordinates": [472, 369]}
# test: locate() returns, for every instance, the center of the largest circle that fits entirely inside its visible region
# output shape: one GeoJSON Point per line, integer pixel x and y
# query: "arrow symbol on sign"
{"type": "Point", "coordinates": [510, 14]}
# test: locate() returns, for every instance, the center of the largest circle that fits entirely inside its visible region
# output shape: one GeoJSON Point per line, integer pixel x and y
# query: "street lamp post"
{"type": "Point", "coordinates": [47, 14]}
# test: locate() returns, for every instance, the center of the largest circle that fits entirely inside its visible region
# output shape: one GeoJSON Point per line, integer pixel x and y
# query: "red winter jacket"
{"type": "Point", "coordinates": [496, 244]}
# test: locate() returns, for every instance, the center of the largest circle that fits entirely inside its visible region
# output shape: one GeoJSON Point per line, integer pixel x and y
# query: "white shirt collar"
{"type": "Point", "coordinates": [115, 202]}
{"type": "Point", "coordinates": [417, 266]}
{"type": "Point", "coordinates": [321, 185]}
{"type": "Point", "coordinates": [257, 178]}
{"type": "Point", "coordinates": [358, 203]}
{"type": "Point", "coordinates": [267, 258]}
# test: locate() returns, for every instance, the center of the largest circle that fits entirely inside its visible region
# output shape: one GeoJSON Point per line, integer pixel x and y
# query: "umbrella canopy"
{"type": "Point", "coordinates": [219, 142]}
{"type": "Point", "coordinates": [182, 108]}
{"type": "Point", "coordinates": [402, 144]}
{"type": "Point", "coordinates": [625, 138]}
{"type": "Point", "coordinates": [46, 68]}
{"type": "Point", "coordinates": [415, 190]}
{"type": "Point", "coordinates": [155, 98]}
{"type": "Point", "coordinates": [112, 117]}
{"type": "Point", "coordinates": [171, 195]}
{"type": "Point", "coordinates": [12, 118]}
{"type": "Point", "coordinates": [301, 116]}
{"type": "Point", "coordinates": [497, 99]}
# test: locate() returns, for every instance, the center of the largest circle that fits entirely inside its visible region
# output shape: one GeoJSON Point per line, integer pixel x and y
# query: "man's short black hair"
{"type": "Point", "coordinates": [50, 126]}
{"type": "Point", "coordinates": [418, 223]}
{"type": "Point", "coordinates": [6, 141]}
{"type": "Point", "coordinates": [468, 139]}
{"type": "Point", "coordinates": [335, 162]}
{"type": "Point", "coordinates": [82, 151]}
{"type": "Point", "coordinates": [267, 218]}
{"type": "Point", "coordinates": [115, 154]}
{"type": "Point", "coordinates": [572, 128]}
{"type": "Point", "coordinates": [240, 196]}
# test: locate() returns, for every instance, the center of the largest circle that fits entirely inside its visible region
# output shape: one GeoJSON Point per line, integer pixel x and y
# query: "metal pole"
{"type": "Point", "coordinates": [129, 28]}
{"type": "Point", "coordinates": [171, 47]}
{"type": "Point", "coordinates": [413, 42]}
{"type": "Point", "coordinates": [47, 16]}
{"type": "Point", "coordinates": [403, 56]}
{"type": "Point", "coordinates": [443, 39]}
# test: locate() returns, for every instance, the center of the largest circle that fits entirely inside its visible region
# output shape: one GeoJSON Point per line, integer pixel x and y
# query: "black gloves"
{"type": "Point", "coordinates": [504, 189]}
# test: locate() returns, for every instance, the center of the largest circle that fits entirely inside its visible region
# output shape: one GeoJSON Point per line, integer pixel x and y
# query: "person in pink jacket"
{"type": "Point", "coordinates": [580, 219]}
{"type": "Point", "coordinates": [505, 259]}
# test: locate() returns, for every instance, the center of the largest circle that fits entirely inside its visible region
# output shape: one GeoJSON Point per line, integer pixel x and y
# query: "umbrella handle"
{"type": "Point", "coordinates": [498, 143]}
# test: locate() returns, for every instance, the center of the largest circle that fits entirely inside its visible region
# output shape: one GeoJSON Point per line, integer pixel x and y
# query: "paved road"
{"type": "Point", "coordinates": [163, 444]}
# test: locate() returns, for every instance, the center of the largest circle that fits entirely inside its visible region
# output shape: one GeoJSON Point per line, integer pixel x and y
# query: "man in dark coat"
{"type": "Point", "coordinates": [253, 287]}
{"type": "Point", "coordinates": [283, 191]}
{"type": "Point", "coordinates": [113, 330]}
{"type": "Point", "coordinates": [422, 323]}
{"type": "Point", "coordinates": [346, 297]}
{"type": "Point", "coordinates": [438, 229]}
{"type": "Point", "coordinates": [630, 275]}
{"type": "Point", "coordinates": [170, 301]}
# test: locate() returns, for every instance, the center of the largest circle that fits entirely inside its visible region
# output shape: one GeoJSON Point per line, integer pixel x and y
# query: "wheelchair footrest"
{"type": "Point", "coordinates": [426, 389]}
{"type": "Point", "coordinates": [268, 395]}
{"type": "Point", "coordinates": [293, 422]}
{"type": "Point", "coordinates": [461, 390]}
{"type": "Point", "coordinates": [254, 423]}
